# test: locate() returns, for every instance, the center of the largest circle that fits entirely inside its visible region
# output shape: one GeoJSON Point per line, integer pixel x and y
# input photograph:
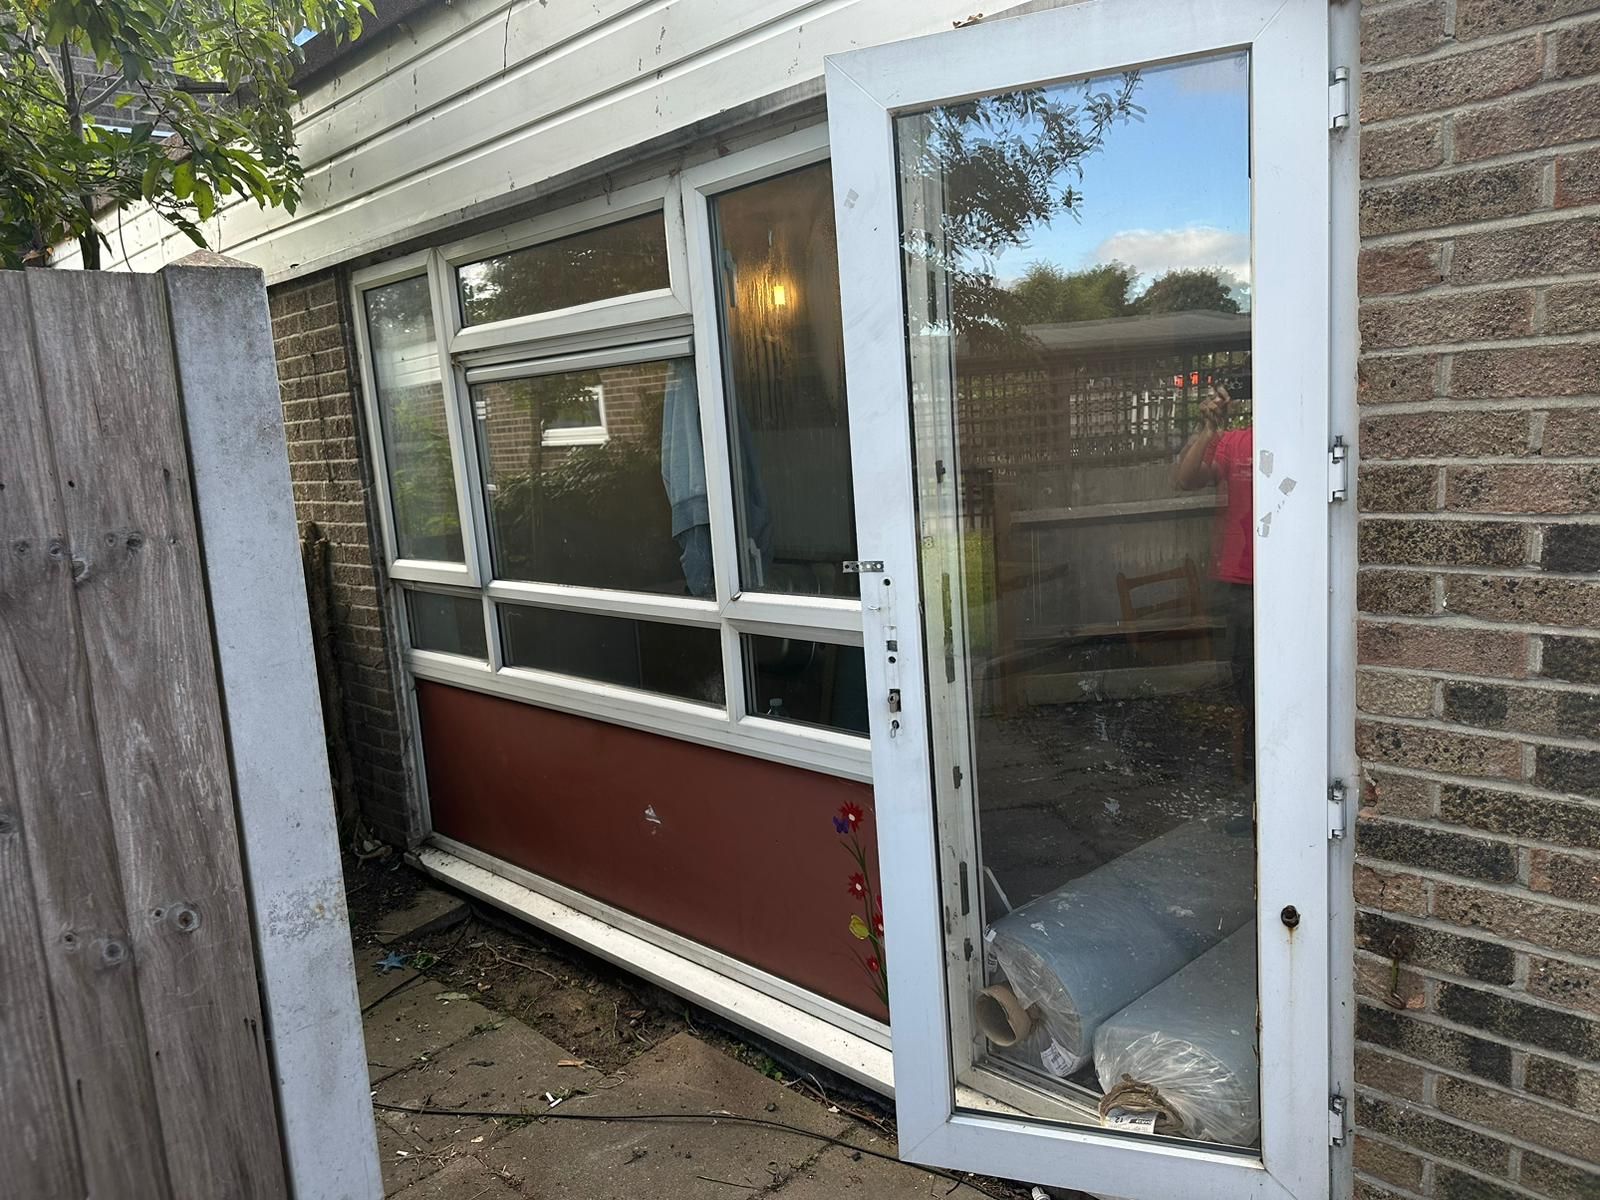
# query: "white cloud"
{"type": "Point", "coordinates": [1152, 252]}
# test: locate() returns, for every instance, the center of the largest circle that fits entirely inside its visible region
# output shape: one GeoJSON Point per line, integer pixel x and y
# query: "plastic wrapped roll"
{"type": "Point", "coordinates": [1187, 1049]}
{"type": "Point", "coordinates": [1079, 954]}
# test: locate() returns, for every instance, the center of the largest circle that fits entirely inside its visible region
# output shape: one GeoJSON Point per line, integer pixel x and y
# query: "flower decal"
{"type": "Point", "coordinates": [867, 925]}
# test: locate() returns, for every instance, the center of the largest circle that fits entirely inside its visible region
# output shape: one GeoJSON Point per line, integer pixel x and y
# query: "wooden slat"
{"type": "Point", "coordinates": [66, 826]}
{"type": "Point", "coordinates": [107, 382]}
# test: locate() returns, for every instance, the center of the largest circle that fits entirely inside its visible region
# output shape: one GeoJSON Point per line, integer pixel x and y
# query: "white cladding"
{"type": "Point", "coordinates": [465, 108]}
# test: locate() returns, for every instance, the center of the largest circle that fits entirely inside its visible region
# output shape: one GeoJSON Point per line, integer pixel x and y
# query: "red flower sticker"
{"type": "Point", "coordinates": [877, 922]}
{"type": "Point", "coordinates": [858, 885]}
{"type": "Point", "coordinates": [852, 814]}
{"type": "Point", "coordinates": [873, 965]}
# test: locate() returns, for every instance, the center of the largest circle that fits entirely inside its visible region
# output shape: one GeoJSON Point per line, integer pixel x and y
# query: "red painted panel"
{"type": "Point", "coordinates": [743, 855]}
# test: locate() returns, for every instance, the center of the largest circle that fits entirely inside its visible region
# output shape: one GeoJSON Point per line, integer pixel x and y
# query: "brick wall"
{"type": "Point", "coordinates": [1478, 874]}
{"type": "Point", "coordinates": [323, 425]}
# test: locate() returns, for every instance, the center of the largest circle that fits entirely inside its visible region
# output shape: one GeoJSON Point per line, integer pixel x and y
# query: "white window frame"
{"type": "Point", "coordinates": [466, 573]}
{"type": "Point", "coordinates": [1289, 69]}
{"type": "Point", "coordinates": [597, 434]}
{"type": "Point", "coordinates": [666, 323]}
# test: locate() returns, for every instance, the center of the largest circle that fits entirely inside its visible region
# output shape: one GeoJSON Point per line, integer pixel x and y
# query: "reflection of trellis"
{"type": "Point", "coordinates": [1097, 409]}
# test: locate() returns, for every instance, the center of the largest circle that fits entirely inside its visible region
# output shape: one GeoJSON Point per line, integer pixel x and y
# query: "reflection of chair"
{"type": "Point", "coordinates": [1178, 615]}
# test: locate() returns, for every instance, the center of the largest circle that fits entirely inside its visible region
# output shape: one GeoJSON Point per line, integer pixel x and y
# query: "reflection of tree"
{"type": "Point", "coordinates": [1003, 166]}
{"type": "Point", "coordinates": [1047, 294]}
{"type": "Point", "coordinates": [616, 260]}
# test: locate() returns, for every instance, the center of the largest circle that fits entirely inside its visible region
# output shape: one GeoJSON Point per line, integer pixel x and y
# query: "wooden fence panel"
{"type": "Point", "coordinates": [132, 573]}
{"type": "Point", "coordinates": [64, 814]}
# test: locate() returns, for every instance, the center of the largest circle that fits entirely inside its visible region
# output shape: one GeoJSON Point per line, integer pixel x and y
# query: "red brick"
{"type": "Point", "coordinates": [1481, 18]}
{"type": "Point", "coordinates": [1441, 84]}
{"type": "Point", "coordinates": [1442, 648]}
{"type": "Point", "coordinates": [1398, 379]}
{"type": "Point", "coordinates": [1577, 179]}
{"type": "Point", "coordinates": [1405, 489]}
{"type": "Point", "coordinates": [1531, 600]}
{"type": "Point", "coordinates": [1385, 1073]}
{"type": "Point", "coordinates": [1394, 593]}
{"type": "Point", "coordinates": [1443, 434]}
{"type": "Point", "coordinates": [1456, 198]}
{"type": "Point", "coordinates": [1466, 317]}
{"type": "Point", "coordinates": [1423, 748]}
{"type": "Point", "coordinates": [1512, 916]}
{"type": "Point", "coordinates": [1572, 308]}
{"type": "Point", "coordinates": [1522, 488]}
{"type": "Point", "coordinates": [1388, 1163]}
{"type": "Point", "coordinates": [1566, 984]}
{"type": "Point", "coordinates": [1571, 370]}
{"type": "Point", "coordinates": [1390, 891]}
{"type": "Point", "coordinates": [1528, 1119]}
{"type": "Point", "coordinates": [1565, 876]}
{"type": "Point", "coordinates": [1399, 30]}
{"type": "Point", "coordinates": [1531, 123]}
{"type": "Point", "coordinates": [1561, 247]}
{"type": "Point", "coordinates": [1402, 149]}
{"type": "Point", "coordinates": [1427, 542]}
{"type": "Point", "coordinates": [1385, 270]}
{"type": "Point", "coordinates": [1383, 693]}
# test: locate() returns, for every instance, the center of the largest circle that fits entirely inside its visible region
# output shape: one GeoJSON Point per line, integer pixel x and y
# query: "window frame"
{"type": "Point", "coordinates": [467, 573]}
{"type": "Point", "coordinates": [673, 322]}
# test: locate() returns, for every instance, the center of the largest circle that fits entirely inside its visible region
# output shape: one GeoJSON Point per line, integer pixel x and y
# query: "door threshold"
{"type": "Point", "coordinates": [849, 1054]}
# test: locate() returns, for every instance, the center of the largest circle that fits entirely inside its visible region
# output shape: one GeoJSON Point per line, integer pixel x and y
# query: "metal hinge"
{"type": "Point", "coordinates": [1336, 1110]}
{"type": "Point", "coordinates": [1339, 98]}
{"type": "Point", "coordinates": [1336, 809]}
{"type": "Point", "coordinates": [1338, 471]}
{"type": "Point", "coordinates": [862, 566]}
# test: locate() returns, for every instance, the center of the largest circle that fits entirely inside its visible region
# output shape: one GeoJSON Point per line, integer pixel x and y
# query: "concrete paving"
{"type": "Point", "coordinates": [429, 1047]}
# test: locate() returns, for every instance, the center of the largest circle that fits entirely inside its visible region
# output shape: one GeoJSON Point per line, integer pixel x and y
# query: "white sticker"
{"type": "Point", "coordinates": [1057, 1059]}
{"type": "Point", "coordinates": [1132, 1122]}
{"type": "Point", "coordinates": [988, 934]}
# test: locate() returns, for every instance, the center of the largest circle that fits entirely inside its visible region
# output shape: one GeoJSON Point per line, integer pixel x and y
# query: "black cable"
{"type": "Point", "coordinates": [681, 1117]}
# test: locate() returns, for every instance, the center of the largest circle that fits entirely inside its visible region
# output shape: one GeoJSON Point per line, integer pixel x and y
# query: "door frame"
{"type": "Point", "coordinates": [1288, 41]}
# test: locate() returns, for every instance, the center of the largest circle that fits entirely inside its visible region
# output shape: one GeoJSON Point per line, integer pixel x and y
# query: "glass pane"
{"type": "Point", "coordinates": [678, 660]}
{"type": "Point", "coordinates": [453, 624]}
{"type": "Point", "coordinates": [1077, 264]}
{"type": "Point", "coordinates": [783, 352]}
{"type": "Point", "coordinates": [598, 264]}
{"type": "Point", "coordinates": [616, 505]}
{"type": "Point", "coordinates": [814, 683]}
{"type": "Point", "coordinates": [416, 437]}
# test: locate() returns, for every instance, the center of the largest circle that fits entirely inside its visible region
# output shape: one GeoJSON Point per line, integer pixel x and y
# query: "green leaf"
{"type": "Point", "coordinates": [858, 929]}
{"type": "Point", "coordinates": [183, 180]}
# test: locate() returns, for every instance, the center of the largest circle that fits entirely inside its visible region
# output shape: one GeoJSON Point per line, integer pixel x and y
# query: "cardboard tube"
{"type": "Point", "coordinates": [1001, 1016]}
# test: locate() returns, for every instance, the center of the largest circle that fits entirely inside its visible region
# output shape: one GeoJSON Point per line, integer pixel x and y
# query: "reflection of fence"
{"type": "Point", "coordinates": [1092, 394]}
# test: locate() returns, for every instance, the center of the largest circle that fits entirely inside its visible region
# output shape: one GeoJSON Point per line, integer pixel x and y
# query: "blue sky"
{"type": "Point", "coordinates": [1168, 192]}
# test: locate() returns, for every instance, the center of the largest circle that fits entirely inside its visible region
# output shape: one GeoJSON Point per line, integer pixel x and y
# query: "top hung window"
{"type": "Point", "coordinates": [625, 258]}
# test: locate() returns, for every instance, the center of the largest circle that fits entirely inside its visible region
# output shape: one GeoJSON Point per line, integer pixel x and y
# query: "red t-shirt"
{"type": "Point", "coordinates": [1233, 538]}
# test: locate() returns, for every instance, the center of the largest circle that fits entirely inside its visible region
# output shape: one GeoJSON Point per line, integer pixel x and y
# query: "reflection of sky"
{"type": "Point", "coordinates": [1170, 191]}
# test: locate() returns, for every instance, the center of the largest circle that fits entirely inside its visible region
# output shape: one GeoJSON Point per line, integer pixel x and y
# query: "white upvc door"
{"type": "Point", "coordinates": [1086, 303]}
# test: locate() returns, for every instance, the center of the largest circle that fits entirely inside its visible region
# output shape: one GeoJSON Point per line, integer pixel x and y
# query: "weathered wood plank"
{"type": "Point", "coordinates": [66, 827]}
{"type": "Point", "coordinates": [33, 1096]}
{"type": "Point", "coordinates": [118, 445]}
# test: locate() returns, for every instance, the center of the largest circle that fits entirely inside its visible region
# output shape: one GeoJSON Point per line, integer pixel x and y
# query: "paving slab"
{"type": "Point", "coordinates": [404, 1159]}
{"type": "Point", "coordinates": [704, 1160]}
{"type": "Point", "coordinates": [431, 910]}
{"type": "Point", "coordinates": [372, 984]}
{"type": "Point", "coordinates": [414, 1024]}
{"type": "Point", "coordinates": [838, 1172]}
{"type": "Point", "coordinates": [506, 1068]}
{"type": "Point", "coordinates": [463, 1179]}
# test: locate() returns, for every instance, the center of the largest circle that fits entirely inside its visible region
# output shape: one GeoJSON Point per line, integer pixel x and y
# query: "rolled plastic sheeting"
{"type": "Point", "coordinates": [1079, 954]}
{"type": "Point", "coordinates": [1192, 1039]}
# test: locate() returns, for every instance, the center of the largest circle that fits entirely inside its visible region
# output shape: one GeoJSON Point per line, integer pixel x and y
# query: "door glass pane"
{"type": "Point", "coordinates": [453, 624]}
{"type": "Point", "coordinates": [416, 437]}
{"type": "Point", "coordinates": [813, 683]}
{"type": "Point", "coordinates": [783, 367]}
{"type": "Point", "coordinates": [1077, 262]}
{"type": "Point", "coordinates": [654, 656]}
{"type": "Point", "coordinates": [596, 478]}
{"type": "Point", "coordinates": [598, 264]}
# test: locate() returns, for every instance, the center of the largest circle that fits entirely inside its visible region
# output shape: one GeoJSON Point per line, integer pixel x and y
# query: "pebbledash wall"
{"type": "Point", "coordinates": [1478, 871]}
{"type": "Point", "coordinates": [1478, 875]}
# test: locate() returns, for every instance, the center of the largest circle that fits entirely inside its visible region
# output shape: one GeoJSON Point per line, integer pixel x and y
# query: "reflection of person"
{"type": "Point", "coordinates": [1217, 456]}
